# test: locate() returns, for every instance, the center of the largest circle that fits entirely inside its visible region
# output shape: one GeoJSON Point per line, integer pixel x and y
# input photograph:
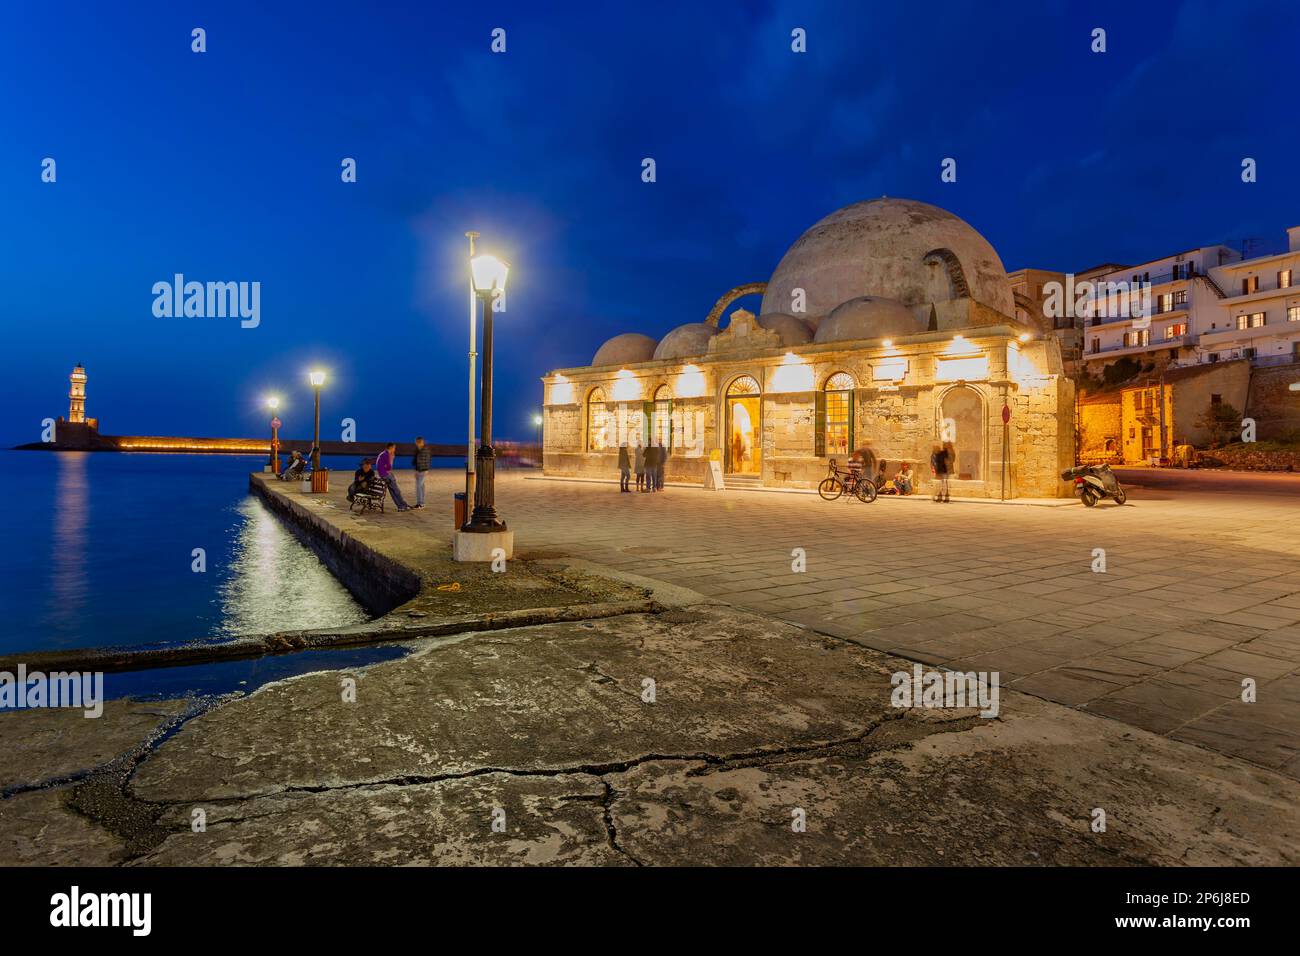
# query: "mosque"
{"type": "Point", "coordinates": [889, 324]}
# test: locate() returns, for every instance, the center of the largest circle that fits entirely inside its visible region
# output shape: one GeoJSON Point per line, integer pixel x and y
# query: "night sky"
{"type": "Point", "coordinates": [225, 166]}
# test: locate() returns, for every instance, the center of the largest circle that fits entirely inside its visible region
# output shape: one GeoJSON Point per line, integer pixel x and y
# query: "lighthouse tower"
{"type": "Point", "coordinates": [77, 395]}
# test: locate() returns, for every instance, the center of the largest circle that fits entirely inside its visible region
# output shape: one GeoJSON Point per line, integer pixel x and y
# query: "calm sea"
{"type": "Point", "coordinates": [99, 551]}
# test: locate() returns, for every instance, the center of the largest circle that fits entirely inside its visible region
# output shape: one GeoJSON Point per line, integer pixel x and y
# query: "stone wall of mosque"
{"type": "Point", "coordinates": [908, 396]}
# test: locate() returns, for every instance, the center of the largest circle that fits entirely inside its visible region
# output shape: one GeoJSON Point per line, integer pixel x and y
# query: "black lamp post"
{"type": "Point", "coordinates": [317, 380]}
{"type": "Point", "coordinates": [489, 274]}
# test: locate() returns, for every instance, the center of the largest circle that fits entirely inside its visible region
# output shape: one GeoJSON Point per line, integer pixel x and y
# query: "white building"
{"type": "Point", "coordinates": [1206, 305]}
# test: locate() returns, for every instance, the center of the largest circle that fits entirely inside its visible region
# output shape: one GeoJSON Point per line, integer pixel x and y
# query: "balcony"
{"type": "Point", "coordinates": [1154, 345]}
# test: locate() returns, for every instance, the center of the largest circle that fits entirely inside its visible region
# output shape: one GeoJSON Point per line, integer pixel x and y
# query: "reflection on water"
{"type": "Point", "coordinates": [99, 550]}
{"type": "Point", "coordinates": [277, 584]}
{"type": "Point", "coordinates": [68, 584]}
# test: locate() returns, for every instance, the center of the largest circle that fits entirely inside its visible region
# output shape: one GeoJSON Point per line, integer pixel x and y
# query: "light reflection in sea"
{"type": "Point", "coordinates": [277, 584]}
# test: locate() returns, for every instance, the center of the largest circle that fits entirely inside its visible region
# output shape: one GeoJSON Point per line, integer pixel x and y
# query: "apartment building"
{"type": "Point", "coordinates": [1203, 305]}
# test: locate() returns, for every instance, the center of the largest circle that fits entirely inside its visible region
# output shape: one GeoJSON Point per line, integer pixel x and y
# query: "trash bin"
{"type": "Point", "coordinates": [320, 481]}
{"type": "Point", "coordinates": [459, 509]}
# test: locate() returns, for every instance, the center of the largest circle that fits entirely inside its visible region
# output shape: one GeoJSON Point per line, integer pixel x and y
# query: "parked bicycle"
{"type": "Point", "coordinates": [851, 482]}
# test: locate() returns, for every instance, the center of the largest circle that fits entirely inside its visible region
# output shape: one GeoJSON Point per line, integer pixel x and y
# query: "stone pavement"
{"type": "Point", "coordinates": [1200, 591]}
{"type": "Point", "coordinates": [762, 743]}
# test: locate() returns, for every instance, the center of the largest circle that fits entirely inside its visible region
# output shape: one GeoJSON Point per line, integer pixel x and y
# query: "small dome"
{"type": "Point", "coordinates": [685, 341]}
{"type": "Point", "coordinates": [625, 349]}
{"type": "Point", "coordinates": [868, 317]}
{"type": "Point", "coordinates": [792, 329]}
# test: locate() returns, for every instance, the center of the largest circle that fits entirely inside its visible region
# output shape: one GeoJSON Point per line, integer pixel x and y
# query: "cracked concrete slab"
{"type": "Point", "coordinates": [553, 821]}
{"type": "Point", "coordinates": [752, 720]}
{"type": "Point", "coordinates": [42, 746]}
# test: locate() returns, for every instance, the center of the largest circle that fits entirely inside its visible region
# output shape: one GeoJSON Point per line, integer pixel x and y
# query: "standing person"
{"type": "Point", "coordinates": [384, 468]}
{"type": "Point", "coordinates": [640, 466]}
{"type": "Point", "coordinates": [624, 467]}
{"type": "Point", "coordinates": [940, 465]}
{"type": "Point", "coordinates": [651, 456]}
{"type": "Point", "coordinates": [661, 458]}
{"type": "Point", "coordinates": [420, 462]}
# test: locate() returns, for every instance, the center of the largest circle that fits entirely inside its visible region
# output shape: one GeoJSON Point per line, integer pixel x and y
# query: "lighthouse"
{"type": "Point", "coordinates": [77, 395]}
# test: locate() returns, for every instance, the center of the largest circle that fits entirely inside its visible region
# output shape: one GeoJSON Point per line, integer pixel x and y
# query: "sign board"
{"type": "Point", "coordinates": [713, 477]}
{"type": "Point", "coordinates": [275, 423]}
{"type": "Point", "coordinates": [1006, 414]}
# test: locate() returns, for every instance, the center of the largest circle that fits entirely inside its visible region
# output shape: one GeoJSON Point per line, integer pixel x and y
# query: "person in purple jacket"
{"type": "Point", "coordinates": [384, 467]}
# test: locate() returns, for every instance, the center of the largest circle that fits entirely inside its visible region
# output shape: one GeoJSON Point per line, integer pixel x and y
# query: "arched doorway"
{"type": "Point", "coordinates": [744, 445]}
{"type": "Point", "coordinates": [962, 423]}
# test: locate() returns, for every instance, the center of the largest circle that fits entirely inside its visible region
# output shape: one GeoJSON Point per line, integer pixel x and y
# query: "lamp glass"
{"type": "Point", "coordinates": [488, 273]}
{"type": "Point", "coordinates": [317, 378]}
{"type": "Point", "coordinates": [272, 402]}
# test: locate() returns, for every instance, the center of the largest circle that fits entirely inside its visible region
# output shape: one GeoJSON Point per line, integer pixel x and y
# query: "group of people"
{"type": "Point", "coordinates": [942, 462]}
{"type": "Point", "coordinates": [903, 483]}
{"type": "Point", "coordinates": [374, 476]}
{"type": "Point", "coordinates": [647, 462]}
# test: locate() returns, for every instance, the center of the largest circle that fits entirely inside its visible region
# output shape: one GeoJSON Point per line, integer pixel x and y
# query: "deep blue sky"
{"type": "Point", "coordinates": [225, 166]}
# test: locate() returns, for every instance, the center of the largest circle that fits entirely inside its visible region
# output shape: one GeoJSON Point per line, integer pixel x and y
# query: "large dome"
{"type": "Point", "coordinates": [626, 349]}
{"type": "Point", "coordinates": [868, 317]}
{"type": "Point", "coordinates": [882, 248]}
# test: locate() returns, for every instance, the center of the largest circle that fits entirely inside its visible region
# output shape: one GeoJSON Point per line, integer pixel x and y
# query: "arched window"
{"type": "Point", "coordinates": [598, 421]}
{"type": "Point", "coordinates": [661, 417]}
{"type": "Point", "coordinates": [744, 385]}
{"type": "Point", "coordinates": [836, 414]}
{"type": "Point", "coordinates": [963, 424]}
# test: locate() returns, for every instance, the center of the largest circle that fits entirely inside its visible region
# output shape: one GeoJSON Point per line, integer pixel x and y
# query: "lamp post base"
{"type": "Point", "coordinates": [482, 546]}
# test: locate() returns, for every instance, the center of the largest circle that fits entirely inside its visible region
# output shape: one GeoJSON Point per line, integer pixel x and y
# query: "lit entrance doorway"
{"type": "Point", "coordinates": [744, 428]}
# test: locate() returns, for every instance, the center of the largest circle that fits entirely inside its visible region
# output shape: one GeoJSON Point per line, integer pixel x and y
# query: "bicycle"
{"type": "Point", "coordinates": [837, 483]}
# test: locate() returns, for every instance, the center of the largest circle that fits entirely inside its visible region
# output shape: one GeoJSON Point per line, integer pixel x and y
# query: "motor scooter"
{"type": "Point", "coordinates": [1094, 482]}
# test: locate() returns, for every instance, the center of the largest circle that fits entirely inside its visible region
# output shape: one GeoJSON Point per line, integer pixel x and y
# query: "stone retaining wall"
{"type": "Point", "coordinates": [377, 582]}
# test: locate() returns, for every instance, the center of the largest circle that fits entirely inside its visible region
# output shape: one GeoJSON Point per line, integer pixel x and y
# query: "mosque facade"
{"type": "Point", "coordinates": [890, 324]}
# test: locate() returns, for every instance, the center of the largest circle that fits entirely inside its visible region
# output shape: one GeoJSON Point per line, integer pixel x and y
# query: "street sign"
{"type": "Point", "coordinates": [1006, 414]}
{"type": "Point", "coordinates": [275, 423]}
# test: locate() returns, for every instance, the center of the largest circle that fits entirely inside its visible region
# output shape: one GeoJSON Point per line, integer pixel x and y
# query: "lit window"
{"type": "Point", "coordinates": [1284, 279]}
{"type": "Point", "coordinates": [1252, 321]}
{"type": "Point", "coordinates": [1177, 330]}
{"type": "Point", "coordinates": [1293, 313]}
{"type": "Point", "coordinates": [839, 413]}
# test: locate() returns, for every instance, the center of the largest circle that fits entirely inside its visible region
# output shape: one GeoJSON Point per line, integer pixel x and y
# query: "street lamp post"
{"type": "Point", "coordinates": [489, 275]}
{"type": "Point", "coordinates": [537, 424]}
{"type": "Point", "coordinates": [473, 355]}
{"type": "Point", "coordinates": [317, 378]}
{"type": "Point", "coordinates": [273, 403]}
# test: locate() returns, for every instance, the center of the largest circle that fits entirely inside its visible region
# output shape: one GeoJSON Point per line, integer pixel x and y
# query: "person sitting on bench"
{"type": "Point", "coordinates": [295, 468]}
{"type": "Point", "coordinates": [364, 480]}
